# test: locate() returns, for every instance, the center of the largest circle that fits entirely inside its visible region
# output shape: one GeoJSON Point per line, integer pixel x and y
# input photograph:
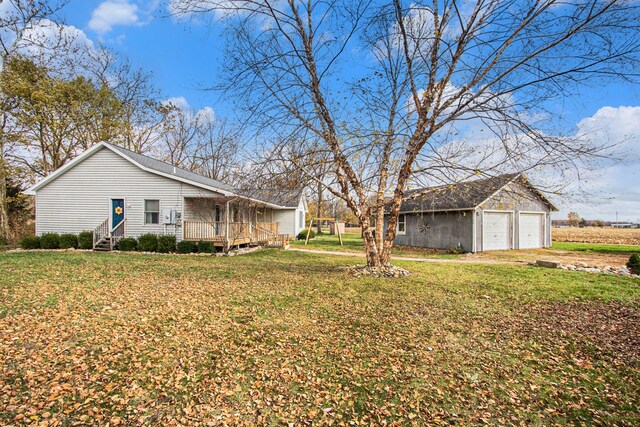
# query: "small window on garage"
{"type": "Point", "coordinates": [301, 219]}
{"type": "Point", "coordinates": [152, 211]}
{"type": "Point", "coordinates": [402, 224]}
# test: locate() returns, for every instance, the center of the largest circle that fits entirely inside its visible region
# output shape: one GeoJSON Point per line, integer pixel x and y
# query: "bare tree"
{"type": "Point", "coordinates": [432, 69]}
{"type": "Point", "coordinates": [18, 17]}
{"type": "Point", "coordinates": [218, 151]}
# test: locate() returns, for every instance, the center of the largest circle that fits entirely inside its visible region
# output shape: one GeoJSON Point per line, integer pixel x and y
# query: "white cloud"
{"type": "Point", "coordinates": [206, 114]}
{"type": "Point", "coordinates": [179, 101]}
{"type": "Point", "coordinates": [611, 188]}
{"type": "Point", "coordinates": [112, 13]}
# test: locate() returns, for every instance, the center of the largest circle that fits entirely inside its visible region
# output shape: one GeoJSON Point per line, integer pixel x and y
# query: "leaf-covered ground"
{"type": "Point", "coordinates": [278, 338]}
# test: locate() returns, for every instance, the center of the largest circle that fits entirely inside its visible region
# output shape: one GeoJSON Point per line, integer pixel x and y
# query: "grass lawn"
{"type": "Point", "coordinates": [597, 247]}
{"type": "Point", "coordinates": [277, 337]}
{"type": "Point", "coordinates": [354, 243]}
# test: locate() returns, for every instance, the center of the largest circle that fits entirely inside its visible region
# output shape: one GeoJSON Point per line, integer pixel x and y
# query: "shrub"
{"type": "Point", "coordinates": [456, 250]}
{"type": "Point", "coordinates": [186, 247]}
{"type": "Point", "coordinates": [4, 241]}
{"type": "Point", "coordinates": [634, 264]}
{"type": "Point", "coordinates": [68, 241]}
{"type": "Point", "coordinates": [303, 235]}
{"type": "Point", "coordinates": [30, 242]}
{"type": "Point", "coordinates": [127, 244]}
{"type": "Point", "coordinates": [50, 241]}
{"type": "Point", "coordinates": [166, 243]}
{"type": "Point", "coordinates": [85, 240]}
{"type": "Point", "coordinates": [206, 247]}
{"type": "Point", "coordinates": [148, 243]}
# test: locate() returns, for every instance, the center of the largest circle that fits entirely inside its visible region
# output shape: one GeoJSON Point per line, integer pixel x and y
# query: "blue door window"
{"type": "Point", "coordinates": [117, 212]}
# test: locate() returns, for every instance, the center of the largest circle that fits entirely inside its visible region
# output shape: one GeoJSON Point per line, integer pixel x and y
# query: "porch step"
{"type": "Point", "coordinates": [103, 245]}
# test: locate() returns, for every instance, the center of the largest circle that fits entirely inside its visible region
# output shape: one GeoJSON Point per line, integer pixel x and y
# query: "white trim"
{"type": "Point", "coordinates": [513, 227]}
{"type": "Point", "coordinates": [144, 212]}
{"type": "Point", "coordinates": [474, 231]}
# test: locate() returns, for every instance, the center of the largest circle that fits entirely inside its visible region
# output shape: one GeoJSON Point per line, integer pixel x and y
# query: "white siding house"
{"type": "Point", "coordinates": [110, 185]}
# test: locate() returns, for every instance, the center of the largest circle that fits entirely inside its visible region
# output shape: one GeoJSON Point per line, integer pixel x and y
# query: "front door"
{"type": "Point", "coordinates": [117, 212]}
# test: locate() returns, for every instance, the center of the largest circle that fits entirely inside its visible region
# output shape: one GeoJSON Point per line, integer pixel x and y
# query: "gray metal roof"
{"type": "Point", "coordinates": [166, 168]}
{"type": "Point", "coordinates": [462, 196]}
{"type": "Point", "coordinates": [284, 198]}
{"type": "Point", "coordinates": [280, 198]}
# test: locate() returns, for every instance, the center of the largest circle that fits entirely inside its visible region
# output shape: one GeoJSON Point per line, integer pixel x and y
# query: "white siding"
{"type": "Point", "coordinates": [289, 219]}
{"type": "Point", "coordinates": [80, 199]}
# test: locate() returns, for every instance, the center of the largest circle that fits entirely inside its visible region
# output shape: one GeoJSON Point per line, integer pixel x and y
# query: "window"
{"type": "Point", "coordinates": [301, 219]}
{"type": "Point", "coordinates": [402, 224]}
{"type": "Point", "coordinates": [152, 211]}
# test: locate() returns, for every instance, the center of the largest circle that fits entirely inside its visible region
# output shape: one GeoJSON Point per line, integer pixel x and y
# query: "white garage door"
{"type": "Point", "coordinates": [496, 231]}
{"type": "Point", "coordinates": [531, 227]}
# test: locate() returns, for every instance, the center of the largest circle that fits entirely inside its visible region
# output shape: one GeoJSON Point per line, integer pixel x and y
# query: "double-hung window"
{"type": "Point", "coordinates": [402, 224]}
{"type": "Point", "coordinates": [152, 211]}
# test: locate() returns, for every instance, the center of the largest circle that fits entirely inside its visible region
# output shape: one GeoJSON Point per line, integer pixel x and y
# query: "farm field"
{"type": "Point", "coordinates": [274, 337]}
{"type": "Point", "coordinates": [600, 235]}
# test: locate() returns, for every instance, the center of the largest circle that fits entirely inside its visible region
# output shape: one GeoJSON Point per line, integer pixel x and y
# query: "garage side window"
{"type": "Point", "coordinates": [300, 219]}
{"type": "Point", "coordinates": [152, 211]}
{"type": "Point", "coordinates": [402, 224]}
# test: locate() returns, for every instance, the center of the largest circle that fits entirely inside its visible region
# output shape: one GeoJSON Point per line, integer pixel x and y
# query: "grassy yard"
{"type": "Point", "coordinates": [354, 243]}
{"type": "Point", "coordinates": [597, 247]}
{"type": "Point", "coordinates": [276, 337]}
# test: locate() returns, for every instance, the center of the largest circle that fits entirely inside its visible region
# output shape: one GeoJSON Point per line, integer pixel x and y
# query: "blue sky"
{"type": "Point", "coordinates": [185, 57]}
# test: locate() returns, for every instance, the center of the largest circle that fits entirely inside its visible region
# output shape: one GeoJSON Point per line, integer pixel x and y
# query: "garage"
{"type": "Point", "coordinates": [531, 230]}
{"type": "Point", "coordinates": [496, 231]}
{"type": "Point", "coordinates": [491, 214]}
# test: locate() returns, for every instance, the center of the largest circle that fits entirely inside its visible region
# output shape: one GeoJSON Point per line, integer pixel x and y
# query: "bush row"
{"type": "Point", "coordinates": [145, 243]}
{"type": "Point", "coordinates": [164, 244]}
{"type": "Point", "coordinates": [83, 240]}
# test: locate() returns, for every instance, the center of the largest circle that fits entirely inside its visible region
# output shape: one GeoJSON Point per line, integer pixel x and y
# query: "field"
{"type": "Point", "coordinates": [611, 236]}
{"type": "Point", "coordinates": [279, 338]}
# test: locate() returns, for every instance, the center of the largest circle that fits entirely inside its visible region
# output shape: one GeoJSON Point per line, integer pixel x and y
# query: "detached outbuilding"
{"type": "Point", "coordinates": [499, 213]}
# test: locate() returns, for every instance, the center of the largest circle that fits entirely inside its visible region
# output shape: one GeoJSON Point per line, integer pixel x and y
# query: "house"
{"type": "Point", "coordinates": [499, 213]}
{"type": "Point", "coordinates": [119, 193]}
{"type": "Point", "coordinates": [625, 225]}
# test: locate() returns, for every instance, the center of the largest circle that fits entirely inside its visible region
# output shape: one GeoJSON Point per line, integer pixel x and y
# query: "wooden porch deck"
{"type": "Point", "coordinates": [233, 233]}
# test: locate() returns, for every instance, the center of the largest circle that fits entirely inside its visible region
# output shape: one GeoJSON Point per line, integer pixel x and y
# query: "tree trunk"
{"type": "Point", "coordinates": [4, 216]}
{"type": "Point", "coordinates": [319, 210]}
{"type": "Point", "coordinates": [376, 257]}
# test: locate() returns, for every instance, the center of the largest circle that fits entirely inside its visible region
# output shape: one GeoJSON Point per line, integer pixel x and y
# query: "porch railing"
{"type": "Point", "coordinates": [101, 231]}
{"type": "Point", "coordinates": [118, 232]}
{"type": "Point", "coordinates": [217, 231]}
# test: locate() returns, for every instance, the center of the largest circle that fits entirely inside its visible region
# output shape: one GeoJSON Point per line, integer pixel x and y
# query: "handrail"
{"type": "Point", "coordinates": [117, 233]}
{"type": "Point", "coordinates": [115, 229]}
{"type": "Point", "coordinates": [101, 231]}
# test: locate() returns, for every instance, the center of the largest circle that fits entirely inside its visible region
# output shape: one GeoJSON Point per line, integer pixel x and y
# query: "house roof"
{"type": "Point", "coordinates": [167, 170]}
{"type": "Point", "coordinates": [284, 198]}
{"type": "Point", "coordinates": [464, 195]}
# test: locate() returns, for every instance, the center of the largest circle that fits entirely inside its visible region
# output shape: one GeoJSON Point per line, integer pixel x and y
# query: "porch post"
{"type": "Point", "coordinates": [227, 224]}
